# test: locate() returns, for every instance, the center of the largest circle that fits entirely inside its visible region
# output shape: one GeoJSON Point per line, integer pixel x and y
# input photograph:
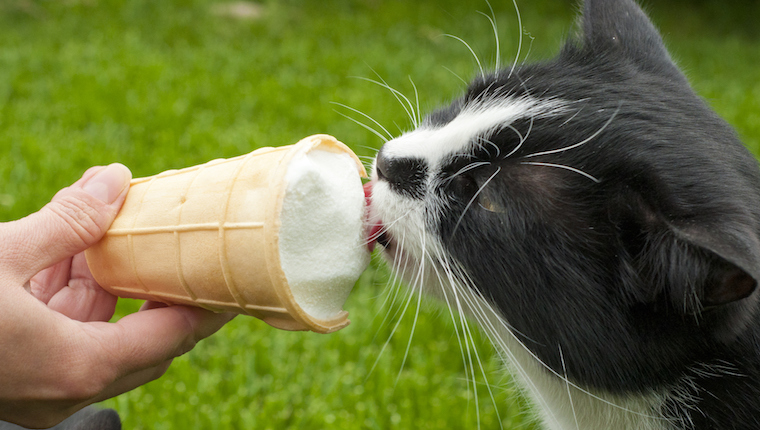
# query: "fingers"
{"type": "Point", "coordinates": [65, 365]}
{"type": "Point", "coordinates": [82, 302]}
{"type": "Point", "coordinates": [150, 337]}
{"type": "Point", "coordinates": [44, 414]}
{"type": "Point", "coordinates": [142, 345]}
{"type": "Point", "coordinates": [80, 297]}
{"type": "Point", "coordinates": [132, 381]}
{"type": "Point", "coordinates": [76, 218]}
{"type": "Point", "coordinates": [49, 281]}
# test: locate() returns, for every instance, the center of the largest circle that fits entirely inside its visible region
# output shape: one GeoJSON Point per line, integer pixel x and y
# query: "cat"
{"type": "Point", "coordinates": [599, 222]}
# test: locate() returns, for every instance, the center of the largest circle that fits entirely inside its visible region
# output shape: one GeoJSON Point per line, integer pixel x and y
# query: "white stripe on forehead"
{"type": "Point", "coordinates": [433, 144]}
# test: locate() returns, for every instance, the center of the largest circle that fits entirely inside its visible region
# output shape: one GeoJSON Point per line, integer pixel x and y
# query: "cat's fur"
{"type": "Point", "coordinates": [602, 225]}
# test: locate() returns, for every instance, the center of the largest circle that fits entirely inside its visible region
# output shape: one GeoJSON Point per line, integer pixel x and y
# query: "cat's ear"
{"type": "Point", "coordinates": [621, 27]}
{"type": "Point", "coordinates": [695, 265]}
{"type": "Point", "coordinates": [719, 270]}
{"type": "Point", "coordinates": [734, 273]}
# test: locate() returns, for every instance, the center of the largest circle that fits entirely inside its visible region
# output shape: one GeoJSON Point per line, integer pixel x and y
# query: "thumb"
{"type": "Point", "coordinates": [75, 219]}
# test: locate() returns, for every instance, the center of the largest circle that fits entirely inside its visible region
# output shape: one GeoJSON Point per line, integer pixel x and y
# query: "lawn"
{"type": "Point", "coordinates": [166, 84]}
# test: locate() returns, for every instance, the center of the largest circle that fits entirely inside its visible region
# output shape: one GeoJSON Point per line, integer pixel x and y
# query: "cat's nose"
{"type": "Point", "coordinates": [404, 175]}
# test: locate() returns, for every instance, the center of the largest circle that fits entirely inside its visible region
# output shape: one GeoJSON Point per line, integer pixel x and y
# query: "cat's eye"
{"type": "Point", "coordinates": [468, 191]}
{"type": "Point", "coordinates": [487, 204]}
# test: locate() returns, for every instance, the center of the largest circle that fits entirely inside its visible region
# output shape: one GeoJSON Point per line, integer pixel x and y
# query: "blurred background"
{"type": "Point", "coordinates": [158, 85]}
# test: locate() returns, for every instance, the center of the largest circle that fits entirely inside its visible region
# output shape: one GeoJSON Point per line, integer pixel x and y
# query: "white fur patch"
{"type": "Point", "coordinates": [405, 218]}
{"type": "Point", "coordinates": [562, 405]}
{"type": "Point", "coordinates": [433, 144]}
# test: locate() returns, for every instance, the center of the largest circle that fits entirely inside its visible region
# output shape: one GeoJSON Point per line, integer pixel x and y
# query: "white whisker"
{"type": "Point", "coordinates": [571, 118]}
{"type": "Point", "coordinates": [522, 138]}
{"type": "Point", "coordinates": [418, 283]}
{"type": "Point", "coordinates": [458, 77]}
{"type": "Point", "coordinates": [400, 97]}
{"type": "Point", "coordinates": [390, 136]}
{"type": "Point", "coordinates": [485, 322]}
{"type": "Point", "coordinates": [365, 126]}
{"type": "Point", "coordinates": [476, 303]}
{"type": "Point", "coordinates": [467, 168]}
{"type": "Point", "coordinates": [474, 197]}
{"type": "Point", "coordinates": [453, 319]}
{"type": "Point", "coordinates": [417, 100]}
{"type": "Point", "coordinates": [520, 40]}
{"type": "Point", "coordinates": [477, 60]}
{"type": "Point", "coordinates": [492, 19]}
{"type": "Point", "coordinates": [562, 166]}
{"type": "Point", "coordinates": [467, 340]}
{"type": "Point", "coordinates": [522, 345]}
{"type": "Point", "coordinates": [567, 385]}
{"type": "Point", "coordinates": [498, 150]}
{"type": "Point", "coordinates": [583, 142]}
{"type": "Point", "coordinates": [395, 328]}
{"type": "Point", "coordinates": [395, 289]}
{"type": "Point", "coordinates": [385, 228]}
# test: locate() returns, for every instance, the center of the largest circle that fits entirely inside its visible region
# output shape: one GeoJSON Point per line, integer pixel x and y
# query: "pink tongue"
{"type": "Point", "coordinates": [368, 192]}
{"type": "Point", "coordinates": [374, 229]}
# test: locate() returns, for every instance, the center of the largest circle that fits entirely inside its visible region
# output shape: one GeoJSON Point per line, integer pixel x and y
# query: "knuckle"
{"type": "Point", "coordinates": [84, 223]}
{"type": "Point", "coordinates": [16, 253]}
{"type": "Point", "coordinates": [160, 370]}
{"type": "Point", "coordinates": [191, 328]}
{"type": "Point", "coordinates": [187, 346]}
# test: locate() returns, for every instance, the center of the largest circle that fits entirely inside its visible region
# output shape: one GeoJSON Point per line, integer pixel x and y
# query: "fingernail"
{"type": "Point", "coordinates": [108, 183]}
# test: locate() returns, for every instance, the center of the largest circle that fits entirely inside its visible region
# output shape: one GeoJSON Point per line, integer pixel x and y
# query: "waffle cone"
{"type": "Point", "coordinates": [208, 236]}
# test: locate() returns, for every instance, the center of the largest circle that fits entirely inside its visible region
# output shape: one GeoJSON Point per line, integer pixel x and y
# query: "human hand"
{"type": "Point", "coordinates": [58, 352]}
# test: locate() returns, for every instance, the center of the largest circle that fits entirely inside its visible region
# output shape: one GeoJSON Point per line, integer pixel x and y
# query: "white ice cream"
{"type": "Point", "coordinates": [323, 244]}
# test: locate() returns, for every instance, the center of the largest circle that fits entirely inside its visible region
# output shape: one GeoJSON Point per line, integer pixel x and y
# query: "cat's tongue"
{"type": "Point", "coordinates": [374, 229]}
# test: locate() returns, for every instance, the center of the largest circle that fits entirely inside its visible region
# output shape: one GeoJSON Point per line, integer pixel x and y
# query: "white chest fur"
{"type": "Point", "coordinates": [558, 403]}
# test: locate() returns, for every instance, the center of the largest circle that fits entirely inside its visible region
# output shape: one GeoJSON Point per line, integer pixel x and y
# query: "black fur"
{"type": "Point", "coordinates": [644, 277]}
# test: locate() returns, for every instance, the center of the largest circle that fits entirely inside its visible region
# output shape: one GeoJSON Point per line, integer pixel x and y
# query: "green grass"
{"type": "Point", "coordinates": [160, 85]}
{"type": "Point", "coordinates": [251, 376]}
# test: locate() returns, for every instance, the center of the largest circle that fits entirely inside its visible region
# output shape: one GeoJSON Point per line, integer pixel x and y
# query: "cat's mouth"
{"type": "Point", "coordinates": [376, 231]}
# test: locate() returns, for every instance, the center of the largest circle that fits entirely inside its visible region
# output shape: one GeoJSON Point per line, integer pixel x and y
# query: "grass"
{"type": "Point", "coordinates": [250, 376]}
{"type": "Point", "coordinates": [160, 85]}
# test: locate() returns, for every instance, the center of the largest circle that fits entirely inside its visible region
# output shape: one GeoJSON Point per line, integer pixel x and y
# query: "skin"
{"type": "Point", "coordinates": [58, 352]}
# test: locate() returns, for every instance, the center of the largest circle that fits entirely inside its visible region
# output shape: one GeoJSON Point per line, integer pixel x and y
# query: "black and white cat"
{"type": "Point", "coordinates": [601, 224]}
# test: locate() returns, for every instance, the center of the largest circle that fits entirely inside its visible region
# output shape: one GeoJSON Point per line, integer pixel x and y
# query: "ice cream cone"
{"type": "Point", "coordinates": [208, 236]}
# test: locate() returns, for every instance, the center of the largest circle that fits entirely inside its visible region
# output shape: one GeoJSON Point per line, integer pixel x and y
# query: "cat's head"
{"type": "Point", "coordinates": [599, 207]}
